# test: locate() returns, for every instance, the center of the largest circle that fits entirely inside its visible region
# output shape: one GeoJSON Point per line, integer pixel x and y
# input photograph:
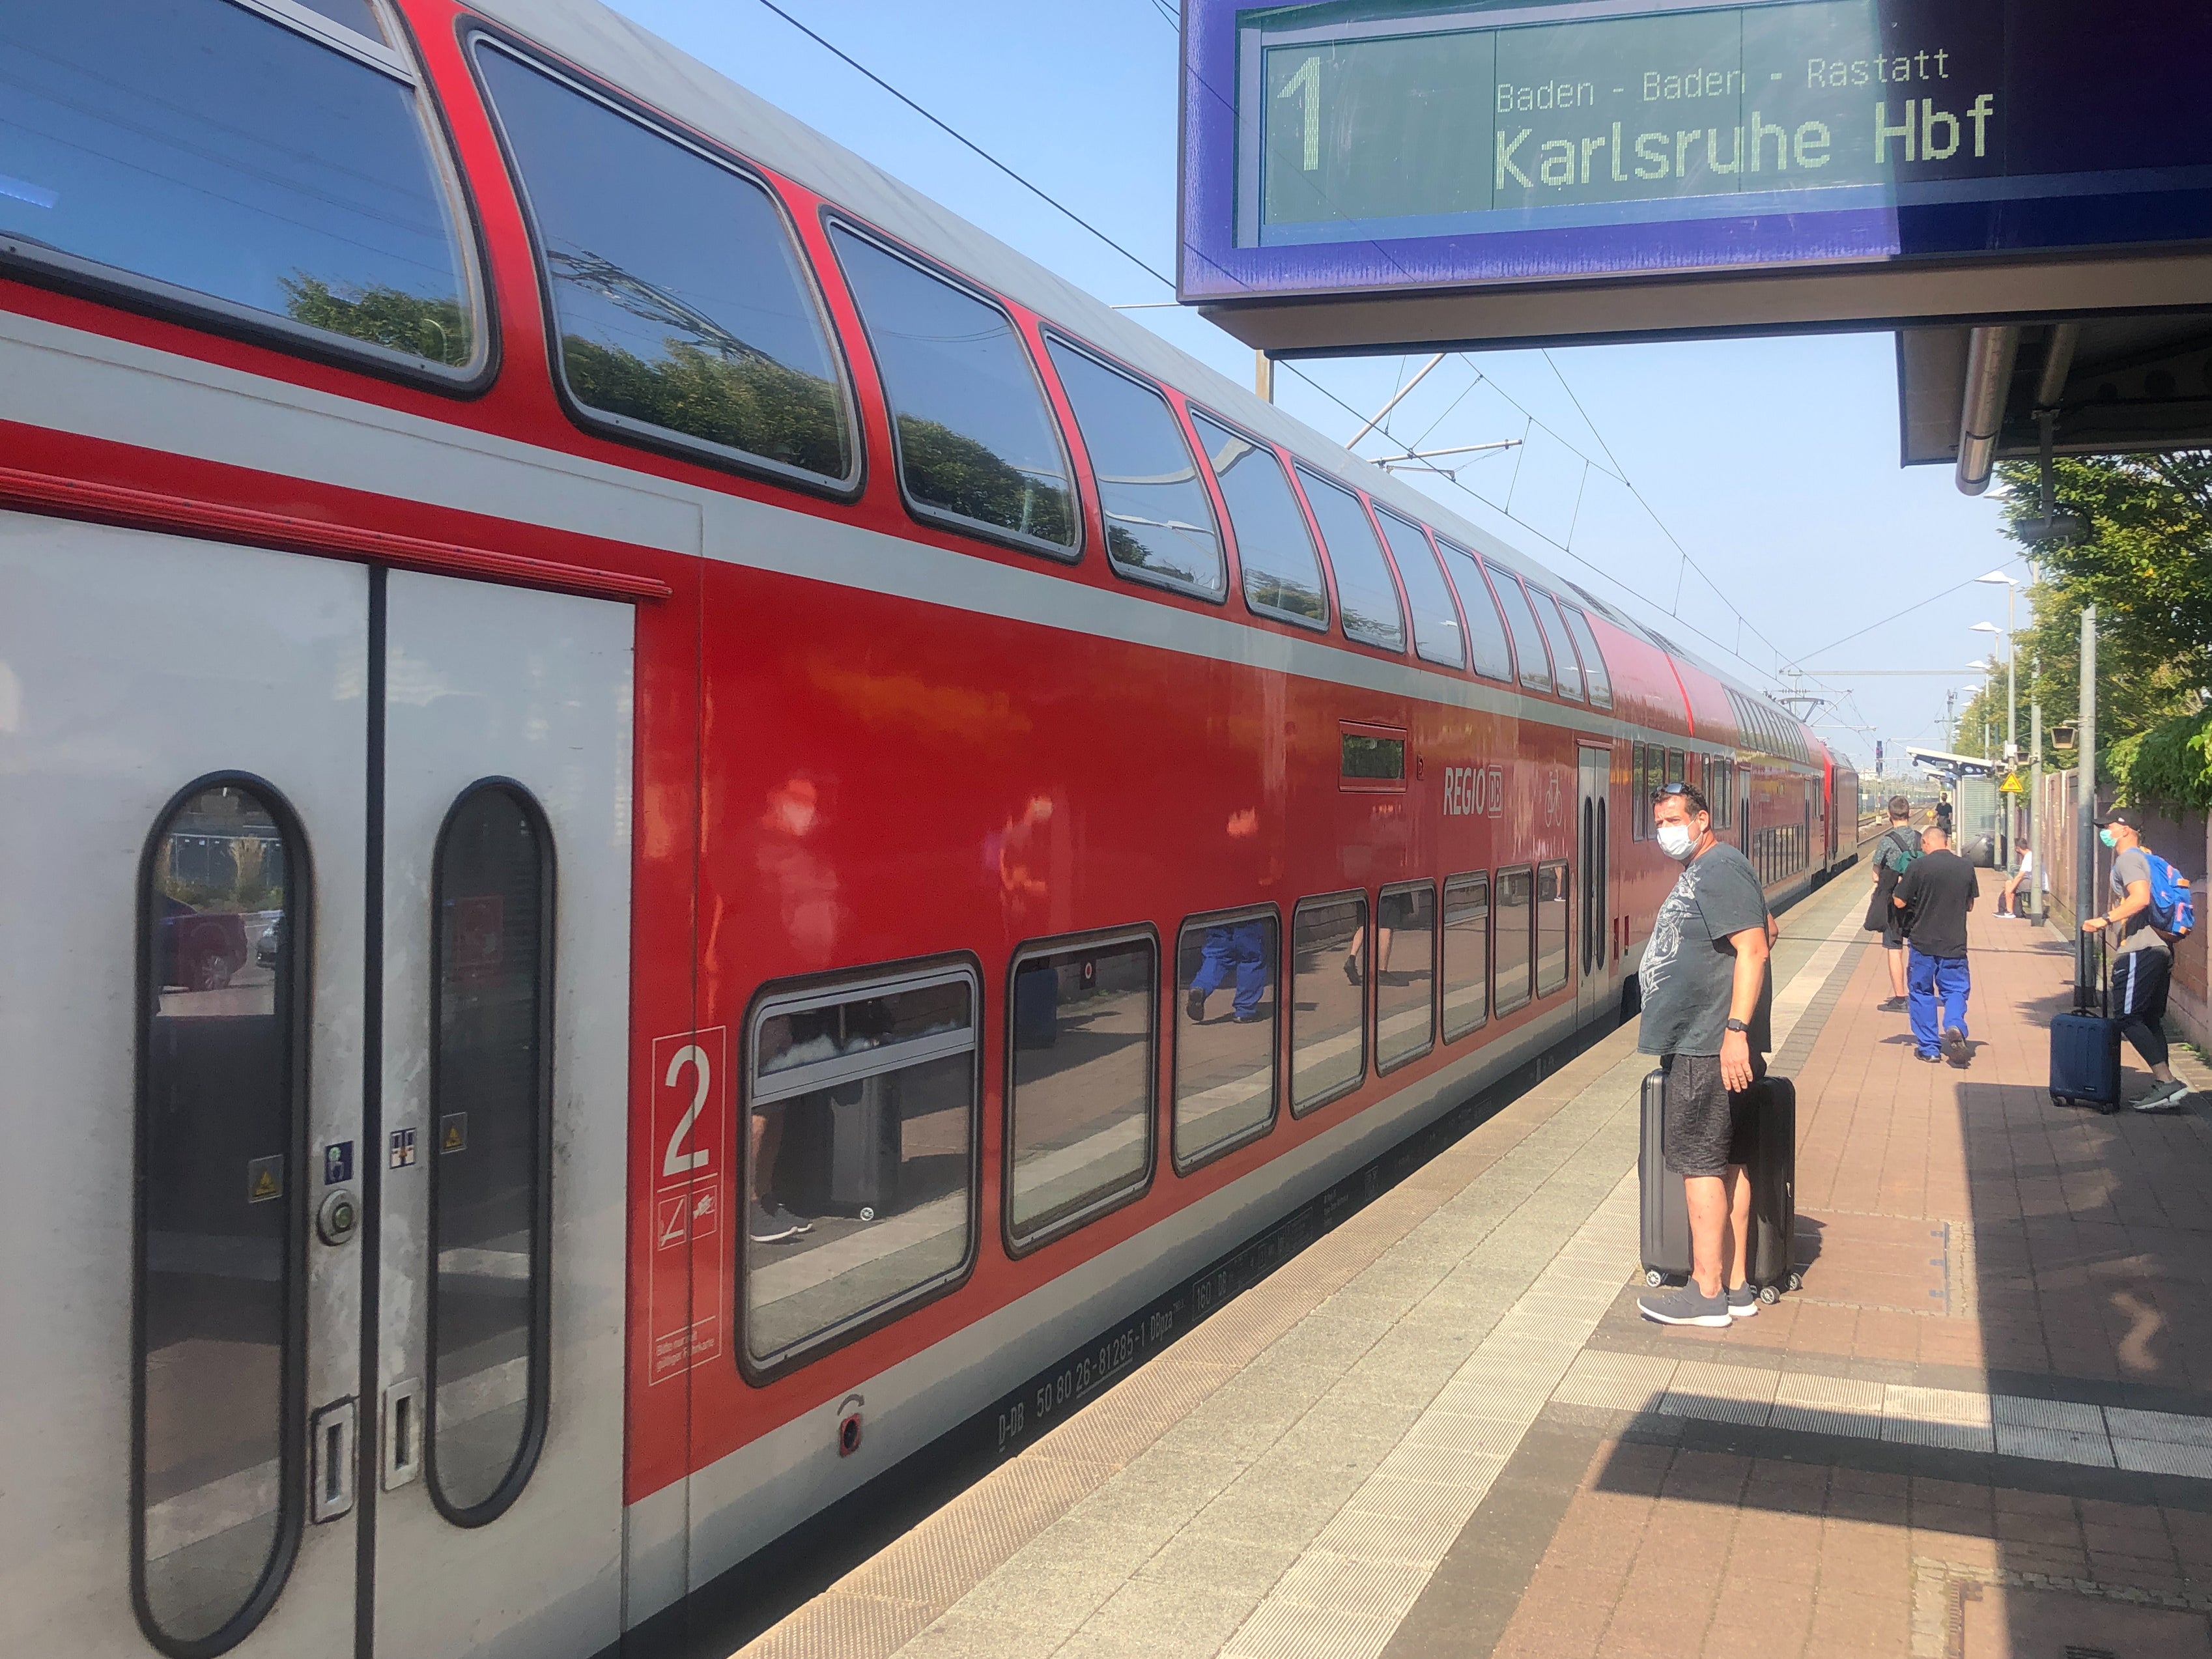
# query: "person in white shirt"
{"type": "Point", "coordinates": [2008, 895]}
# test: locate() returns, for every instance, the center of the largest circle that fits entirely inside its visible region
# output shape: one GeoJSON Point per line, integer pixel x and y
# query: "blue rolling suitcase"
{"type": "Point", "coordinates": [1664, 1210]}
{"type": "Point", "coordinates": [2085, 1045]}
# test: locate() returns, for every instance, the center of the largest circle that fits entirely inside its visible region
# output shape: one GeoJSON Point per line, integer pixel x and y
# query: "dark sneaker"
{"type": "Point", "coordinates": [1743, 1300]}
{"type": "Point", "coordinates": [1891, 1004]}
{"type": "Point", "coordinates": [2163, 1097]}
{"type": "Point", "coordinates": [1246, 1019]}
{"type": "Point", "coordinates": [1351, 969]}
{"type": "Point", "coordinates": [1932, 1060]}
{"type": "Point", "coordinates": [1685, 1304]}
{"type": "Point", "coordinates": [1955, 1047]}
{"type": "Point", "coordinates": [763, 1227]}
{"type": "Point", "coordinates": [1194, 1005]}
{"type": "Point", "coordinates": [798, 1223]}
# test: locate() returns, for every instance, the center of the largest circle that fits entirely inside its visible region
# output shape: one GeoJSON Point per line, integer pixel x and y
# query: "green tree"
{"type": "Point", "coordinates": [2146, 564]}
{"type": "Point", "coordinates": [750, 403]}
{"type": "Point", "coordinates": [431, 328]}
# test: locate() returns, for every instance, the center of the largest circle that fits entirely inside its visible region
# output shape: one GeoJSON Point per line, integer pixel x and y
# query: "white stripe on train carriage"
{"type": "Point", "coordinates": [71, 381]}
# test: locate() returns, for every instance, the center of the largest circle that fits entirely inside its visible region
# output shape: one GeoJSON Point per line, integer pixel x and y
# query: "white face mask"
{"type": "Point", "coordinates": [1675, 840]}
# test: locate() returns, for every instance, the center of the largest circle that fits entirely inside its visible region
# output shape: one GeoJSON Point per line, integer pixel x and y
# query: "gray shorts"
{"type": "Point", "coordinates": [1706, 1129]}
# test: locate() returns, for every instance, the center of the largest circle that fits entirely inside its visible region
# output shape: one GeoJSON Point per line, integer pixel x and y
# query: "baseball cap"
{"type": "Point", "coordinates": [2125, 815]}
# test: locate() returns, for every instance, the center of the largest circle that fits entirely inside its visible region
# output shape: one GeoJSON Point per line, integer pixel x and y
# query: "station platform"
{"type": "Point", "coordinates": [1983, 1428]}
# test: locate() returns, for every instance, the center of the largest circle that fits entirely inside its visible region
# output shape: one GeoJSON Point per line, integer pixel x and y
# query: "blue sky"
{"type": "Point", "coordinates": [1772, 462]}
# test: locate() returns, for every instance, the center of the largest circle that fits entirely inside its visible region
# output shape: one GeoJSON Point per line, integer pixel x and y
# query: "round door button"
{"type": "Point", "coordinates": [338, 1217]}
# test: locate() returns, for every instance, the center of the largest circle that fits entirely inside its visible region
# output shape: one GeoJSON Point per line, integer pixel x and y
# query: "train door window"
{"type": "Point", "coordinates": [1516, 939]}
{"type": "Point", "coordinates": [1562, 644]}
{"type": "Point", "coordinates": [1635, 789]}
{"type": "Point", "coordinates": [1466, 954]}
{"type": "Point", "coordinates": [1364, 592]}
{"type": "Point", "coordinates": [1655, 773]}
{"type": "Point", "coordinates": [1159, 519]}
{"type": "Point", "coordinates": [977, 447]}
{"type": "Point", "coordinates": [1274, 548]}
{"type": "Point", "coordinates": [1404, 958]}
{"type": "Point", "coordinates": [278, 174]}
{"type": "Point", "coordinates": [1676, 766]}
{"type": "Point", "coordinates": [221, 1214]}
{"type": "Point", "coordinates": [1599, 681]}
{"type": "Point", "coordinates": [1436, 624]}
{"type": "Point", "coordinates": [1328, 1006]}
{"type": "Point", "coordinates": [1553, 900]}
{"type": "Point", "coordinates": [1529, 647]}
{"type": "Point", "coordinates": [1226, 1050]}
{"type": "Point", "coordinates": [1080, 1085]}
{"type": "Point", "coordinates": [859, 1156]}
{"type": "Point", "coordinates": [682, 309]}
{"type": "Point", "coordinates": [491, 1115]}
{"type": "Point", "coordinates": [1486, 627]}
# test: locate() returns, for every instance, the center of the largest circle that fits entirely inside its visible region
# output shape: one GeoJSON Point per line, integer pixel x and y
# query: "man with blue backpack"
{"type": "Point", "coordinates": [2151, 909]}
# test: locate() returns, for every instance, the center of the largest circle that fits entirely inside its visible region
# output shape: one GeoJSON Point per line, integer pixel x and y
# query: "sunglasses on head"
{"type": "Point", "coordinates": [1672, 789]}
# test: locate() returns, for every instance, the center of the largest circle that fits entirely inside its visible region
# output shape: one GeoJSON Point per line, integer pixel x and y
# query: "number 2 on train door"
{"type": "Point", "coordinates": [684, 1287]}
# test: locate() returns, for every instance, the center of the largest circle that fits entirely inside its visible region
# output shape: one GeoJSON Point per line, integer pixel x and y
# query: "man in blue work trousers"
{"type": "Point", "coordinates": [1241, 945]}
{"type": "Point", "coordinates": [1934, 898]}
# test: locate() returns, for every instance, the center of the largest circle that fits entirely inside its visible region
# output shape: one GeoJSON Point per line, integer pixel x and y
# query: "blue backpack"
{"type": "Point", "coordinates": [2172, 909]}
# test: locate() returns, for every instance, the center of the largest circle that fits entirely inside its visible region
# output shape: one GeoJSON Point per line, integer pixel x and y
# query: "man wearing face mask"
{"type": "Point", "coordinates": [2142, 962]}
{"type": "Point", "coordinates": [1706, 1008]}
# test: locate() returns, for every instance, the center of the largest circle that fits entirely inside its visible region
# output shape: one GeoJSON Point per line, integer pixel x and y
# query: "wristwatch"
{"type": "Point", "coordinates": [1738, 1025]}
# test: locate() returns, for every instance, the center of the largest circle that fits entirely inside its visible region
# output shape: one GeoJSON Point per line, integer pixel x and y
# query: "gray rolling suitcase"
{"type": "Point", "coordinates": [865, 1134]}
{"type": "Point", "coordinates": [1664, 1227]}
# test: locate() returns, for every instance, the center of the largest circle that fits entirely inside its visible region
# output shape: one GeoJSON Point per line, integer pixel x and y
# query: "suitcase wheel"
{"type": "Point", "coordinates": [1770, 1294]}
{"type": "Point", "coordinates": [1654, 1278]}
{"type": "Point", "coordinates": [1797, 1281]}
{"type": "Point", "coordinates": [2058, 1099]}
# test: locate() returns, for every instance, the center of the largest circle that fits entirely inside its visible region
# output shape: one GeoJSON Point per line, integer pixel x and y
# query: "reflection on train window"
{"type": "Point", "coordinates": [1404, 974]}
{"type": "Point", "coordinates": [1655, 773]}
{"type": "Point", "coordinates": [1594, 671]}
{"type": "Point", "coordinates": [1553, 895]}
{"type": "Point", "coordinates": [1528, 649]}
{"type": "Point", "coordinates": [1159, 519]}
{"type": "Point", "coordinates": [1515, 934]}
{"type": "Point", "coordinates": [1079, 1089]}
{"type": "Point", "coordinates": [1274, 548]}
{"type": "Point", "coordinates": [1466, 954]}
{"type": "Point", "coordinates": [1364, 589]}
{"type": "Point", "coordinates": [860, 1154]}
{"type": "Point", "coordinates": [241, 165]}
{"type": "Point", "coordinates": [1675, 766]}
{"type": "Point", "coordinates": [1225, 1049]}
{"type": "Point", "coordinates": [1328, 1001]}
{"type": "Point", "coordinates": [1486, 627]}
{"type": "Point", "coordinates": [1636, 807]}
{"type": "Point", "coordinates": [1569, 672]}
{"type": "Point", "coordinates": [976, 441]}
{"type": "Point", "coordinates": [681, 303]}
{"type": "Point", "coordinates": [220, 1212]}
{"type": "Point", "coordinates": [491, 1127]}
{"type": "Point", "coordinates": [1436, 624]}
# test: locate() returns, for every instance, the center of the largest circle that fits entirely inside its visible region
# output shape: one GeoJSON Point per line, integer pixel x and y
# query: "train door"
{"type": "Point", "coordinates": [1594, 985]}
{"type": "Point", "coordinates": [208, 1100]}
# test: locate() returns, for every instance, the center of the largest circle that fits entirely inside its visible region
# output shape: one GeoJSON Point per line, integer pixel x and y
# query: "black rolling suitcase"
{"type": "Point", "coordinates": [1665, 1226]}
{"type": "Point", "coordinates": [2085, 1045]}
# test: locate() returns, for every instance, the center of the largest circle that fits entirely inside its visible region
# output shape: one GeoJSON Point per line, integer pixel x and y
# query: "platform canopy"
{"type": "Point", "coordinates": [1377, 174]}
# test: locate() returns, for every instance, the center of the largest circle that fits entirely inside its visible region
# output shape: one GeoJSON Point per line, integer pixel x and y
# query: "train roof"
{"type": "Point", "coordinates": [659, 74]}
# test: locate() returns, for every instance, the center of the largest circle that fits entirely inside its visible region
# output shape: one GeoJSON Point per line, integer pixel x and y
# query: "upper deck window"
{"type": "Point", "coordinates": [1528, 639]}
{"type": "Point", "coordinates": [1600, 683]}
{"type": "Point", "coordinates": [1282, 572]}
{"type": "Point", "coordinates": [1436, 624]}
{"type": "Point", "coordinates": [1486, 627]}
{"type": "Point", "coordinates": [976, 441]}
{"type": "Point", "coordinates": [1562, 645]}
{"type": "Point", "coordinates": [213, 158]}
{"type": "Point", "coordinates": [1363, 588]}
{"type": "Point", "coordinates": [680, 305]}
{"type": "Point", "coordinates": [1159, 519]}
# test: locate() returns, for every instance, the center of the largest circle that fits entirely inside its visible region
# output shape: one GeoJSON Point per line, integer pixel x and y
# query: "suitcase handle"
{"type": "Point", "coordinates": [2092, 972]}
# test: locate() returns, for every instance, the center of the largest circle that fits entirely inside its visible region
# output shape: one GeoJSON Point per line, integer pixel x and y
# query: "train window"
{"type": "Point", "coordinates": [1552, 924]}
{"type": "Point", "coordinates": [1274, 548]}
{"type": "Point", "coordinates": [219, 159]}
{"type": "Point", "coordinates": [1436, 624]}
{"type": "Point", "coordinates": [976, 441]}
{"type": "Point", "coordinates": [1329, 1006]}
{"type": "Point", "coordinates": [1080, 1085]}
{"type": "Point", "coordinates": [1562, 645]}
{"type": "Point", "coordinates": [491, 1032]}
{"type": "Point", "coordinates": [1405, 962]}
{"type": "Point", "coordinates": [1529, 647]}
{"type": "Point", "coordinates": [1674, 766]}
{"type": "Point", "coordinates": [1225, 1053]}
{"type": "Point", "coordinates": [1159, 519]}
{"type": "Point", "coordinates": [221, 1212]}
{"type": "Point", "coordinates": [1594, 670]}
{"type": "Point", "coordinates": [1466, 954]}
{"type": "Point", "coordinates": [1365, 592]}
{"type": "Point", "coordinates": [860, 1155]}
{"type": "Point", "coordinates": [1486, 626]}
{"type": "Point", "coordinates": [1516, 937]}
{"type": "Point", "coordinates": [1637, 812]}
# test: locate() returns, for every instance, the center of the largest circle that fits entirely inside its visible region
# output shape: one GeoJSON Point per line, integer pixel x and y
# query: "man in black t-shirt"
{"type": "Point", "coordinates": [1933, 899]}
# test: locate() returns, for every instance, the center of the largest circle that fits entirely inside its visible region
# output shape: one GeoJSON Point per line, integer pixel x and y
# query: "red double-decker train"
{"type": "Point", "coordinates": [668, 819]}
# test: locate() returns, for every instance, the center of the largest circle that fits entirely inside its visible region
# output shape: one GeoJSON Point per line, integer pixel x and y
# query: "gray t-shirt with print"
{"type": "Point", "coordinates": [1689, 966]}
{"type": "Point", "coordinates": [2129, 866]}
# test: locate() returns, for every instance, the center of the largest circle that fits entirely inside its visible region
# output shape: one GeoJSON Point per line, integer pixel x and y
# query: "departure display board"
{"type": "Point", "coordinates": [1379, 146]}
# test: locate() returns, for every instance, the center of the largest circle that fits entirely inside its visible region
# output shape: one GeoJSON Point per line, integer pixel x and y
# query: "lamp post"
{"type": "Point", "coordinates": [2012, 698]}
